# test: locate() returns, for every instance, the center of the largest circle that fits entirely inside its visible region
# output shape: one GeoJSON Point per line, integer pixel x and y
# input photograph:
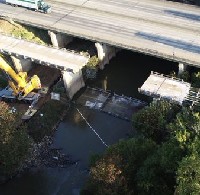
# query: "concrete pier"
{"type": "Point", "coordinates": [181, 68]}
{"type": "Point", "coordinates": [73, 82]}
{"type": "Point", "coordinates": [105, 53]}
{"type": "Point", "coordinates": [21, 64]}
{"type": "Point", "coordinates": [59, 40]}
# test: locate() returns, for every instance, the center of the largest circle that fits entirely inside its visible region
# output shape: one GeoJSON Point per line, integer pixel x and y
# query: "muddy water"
{"type": "Point", "coordinates": [124, 75]}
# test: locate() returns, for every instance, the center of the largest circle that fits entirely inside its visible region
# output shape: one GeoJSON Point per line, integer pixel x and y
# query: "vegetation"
{"type": "Point", "coordinates": [164, 158]}
{"type": "Point", "coordinates": [46, 119]}
{"type": "Point", "coordinates": [28, 33]}
{"type": "Point", "coordinates": [195, 79]}
{"type": "Point", "coordinates": [90, 70]}
{"type": "Point", "coordinates": [151, 121]}
{"type": "Point", "coordinates": [25, 32]}
{"type": "Point", "coordinates": [114, 172]}
{"type": "Point", "coordinates": [93, 62]}
{"type": "Point", "coordinates": [14, 140]}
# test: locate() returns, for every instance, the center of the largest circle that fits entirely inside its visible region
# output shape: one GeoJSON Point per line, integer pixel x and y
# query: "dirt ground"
{"type": "Point", "coordinates": [48, 77]}
{"type": "Point", "coordinates": [46, 74]}
{"type": "Point", "coordinates": [5, 26]}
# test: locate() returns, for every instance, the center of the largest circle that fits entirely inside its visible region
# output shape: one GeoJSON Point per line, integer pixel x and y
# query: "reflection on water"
{"type": "Point", "coordinates": [104, 83]}
{"type": "Point", "coordinates": [124, 75]}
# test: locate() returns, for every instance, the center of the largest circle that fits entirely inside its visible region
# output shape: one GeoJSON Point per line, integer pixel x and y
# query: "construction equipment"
{"type": "Point", "coordinates": [37, 5]}
{"type": "Point", "coordinates": [21, 86]}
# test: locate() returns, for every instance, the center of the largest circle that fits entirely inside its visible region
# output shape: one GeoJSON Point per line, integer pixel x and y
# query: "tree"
{"type": "Point", "coordinates": [185, 127]}
{"type": "Point", "coordinates": [195, 79]}
{"type": "Point", "coordinates": [107, 177]}
{"type": "Point", "coordinates": [115, 172]}
{"type": "Point", "coordinates": [188, 176]}
{"type": "Point", "coordinates": [152, 120]}
{"type": "Point", "coordinates": [157, 174]}
{"type": "Point", "coordinates": [14, 141]}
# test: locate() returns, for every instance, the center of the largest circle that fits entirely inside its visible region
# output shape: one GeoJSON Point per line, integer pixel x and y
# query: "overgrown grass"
{"type": "Point", "coordinates": [44, 122]}
{"type": "Point", "coordinates": [27, 32]}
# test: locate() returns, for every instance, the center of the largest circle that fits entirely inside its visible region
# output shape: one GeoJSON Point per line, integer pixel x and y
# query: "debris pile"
{"type": "Point", "coordinates": [43, 155]}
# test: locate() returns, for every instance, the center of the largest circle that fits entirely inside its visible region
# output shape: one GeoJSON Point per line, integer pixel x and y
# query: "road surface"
{"type": "Point", "coordinates": [160, 28]}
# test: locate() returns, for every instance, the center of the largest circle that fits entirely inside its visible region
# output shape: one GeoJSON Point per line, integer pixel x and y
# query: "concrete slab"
{"type": "Point", "coordinates": [160, 86]}
{"type": "Point", "coordinates": [42, 54]}
{"type": "Point", "coordinates": [119, 106]}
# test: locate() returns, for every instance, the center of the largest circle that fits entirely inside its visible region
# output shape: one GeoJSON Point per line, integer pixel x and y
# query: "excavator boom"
{"type": "Point", "coordinates": [19, 83]}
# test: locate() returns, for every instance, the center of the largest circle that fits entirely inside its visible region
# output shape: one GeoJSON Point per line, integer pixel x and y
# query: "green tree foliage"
{"type": "Point", "coordinates": [151, 121]}
{"type": "Point", "coordinates": [185, 76]}
{"type": "Point", "coordinates": [14, 141]}
{"type": "Point", "coordinates": [115, 172]}
{"type": "Point", "coordinates": [93, 62]}
{"type": "Point", "coordinates": [30, 33]}
{"type": "Point", "coordinates": [186, 130]}
{"type": "Point", "coordinates": [188, 176]}
{"type": "Point", "coordinates": [195, 79]}
{"type": "Point", "coordinates": [90, 70]}
{"type": "Point", "coordinates": [157, 174]}
{"type": "Point", "coordinates": [185, 127]}
{"type": "Point", "coordinates": [142, 167]}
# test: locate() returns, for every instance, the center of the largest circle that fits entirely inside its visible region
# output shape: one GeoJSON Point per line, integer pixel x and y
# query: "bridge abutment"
{"type": "Point", "coordinates": [73, 82]}
{"type": "Point", "coordinates": [59, 40]}
{"type": "Point", "coordinates": [105, 53]}
{"type": "Point", "coordinates": [181, 68]}
{"type": "Point", "coordinates": [21, 64]}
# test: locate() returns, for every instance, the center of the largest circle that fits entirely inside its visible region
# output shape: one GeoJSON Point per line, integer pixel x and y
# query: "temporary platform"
{"type": "Point", "coordinates": [111, 103]}
{"type": "Point", "coordinates": [170, 88]}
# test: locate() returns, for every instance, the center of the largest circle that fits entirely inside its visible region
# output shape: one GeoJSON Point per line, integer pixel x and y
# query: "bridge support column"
{"type": "Point", "coordinates": [59, 40]}
{"type": "Point", "coordinates": [181, 68]}
{"type": "Point", "coordinates": [105, 53]}
{"type": "Point", "coordinates": [73, 82]}
{"type": "Point", "coordinates": [21, 64]}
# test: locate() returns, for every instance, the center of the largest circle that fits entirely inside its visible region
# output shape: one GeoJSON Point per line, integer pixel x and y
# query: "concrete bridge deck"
{"type": "Point", "coordinates": [160, 28]}
{"type": "Point", "coordinates": [57, 58]}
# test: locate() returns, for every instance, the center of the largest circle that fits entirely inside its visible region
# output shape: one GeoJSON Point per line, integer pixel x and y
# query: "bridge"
{"type": "Point", "coordinates": [160, 28]}
{"type": "Point", "coordinates": [42, 54]}
{"type": "Point", "coordinates": [23, 53]}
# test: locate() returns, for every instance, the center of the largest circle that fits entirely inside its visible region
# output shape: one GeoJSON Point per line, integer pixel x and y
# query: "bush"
{"type": "Point", "coordinates": [151, 121]}
{"type": "Point", "coordinates": [14, 140]}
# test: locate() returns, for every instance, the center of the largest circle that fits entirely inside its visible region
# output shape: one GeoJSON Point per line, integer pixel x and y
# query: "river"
{"type": "Point", "coordinates": [124, 75]}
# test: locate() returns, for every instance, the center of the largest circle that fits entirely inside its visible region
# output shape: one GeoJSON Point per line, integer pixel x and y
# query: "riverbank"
{"type": "Point", "coordinates": [41, 154]}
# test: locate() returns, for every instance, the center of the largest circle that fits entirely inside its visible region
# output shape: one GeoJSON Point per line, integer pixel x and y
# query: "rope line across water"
{"type": "Point", "coordinates": [92, 128]}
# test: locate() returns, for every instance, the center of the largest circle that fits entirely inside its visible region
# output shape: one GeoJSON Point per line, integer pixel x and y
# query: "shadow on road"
{"type": "Point", "coordinates": [183, 15]}
{"type": "Point", "coordinates": [171, 42]}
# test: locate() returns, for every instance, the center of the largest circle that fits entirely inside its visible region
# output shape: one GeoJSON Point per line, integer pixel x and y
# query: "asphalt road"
{"type": "Point", "coordinates": [165, 29]}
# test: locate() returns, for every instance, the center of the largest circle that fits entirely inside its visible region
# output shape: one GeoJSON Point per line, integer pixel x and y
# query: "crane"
{"type": "Point", "coordinates": [20, 84]}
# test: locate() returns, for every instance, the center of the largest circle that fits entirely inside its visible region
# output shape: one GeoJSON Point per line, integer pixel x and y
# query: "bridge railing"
{"type": "Point", "coordinates": [49, 46]}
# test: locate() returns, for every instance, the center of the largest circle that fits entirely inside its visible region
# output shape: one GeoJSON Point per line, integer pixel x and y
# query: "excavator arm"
{"type": "Point", "coordinates": [19, 83]}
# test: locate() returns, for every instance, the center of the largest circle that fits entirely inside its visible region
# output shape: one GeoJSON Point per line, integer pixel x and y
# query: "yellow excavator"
{"type": "Point", "coordinates": [20, 84]}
